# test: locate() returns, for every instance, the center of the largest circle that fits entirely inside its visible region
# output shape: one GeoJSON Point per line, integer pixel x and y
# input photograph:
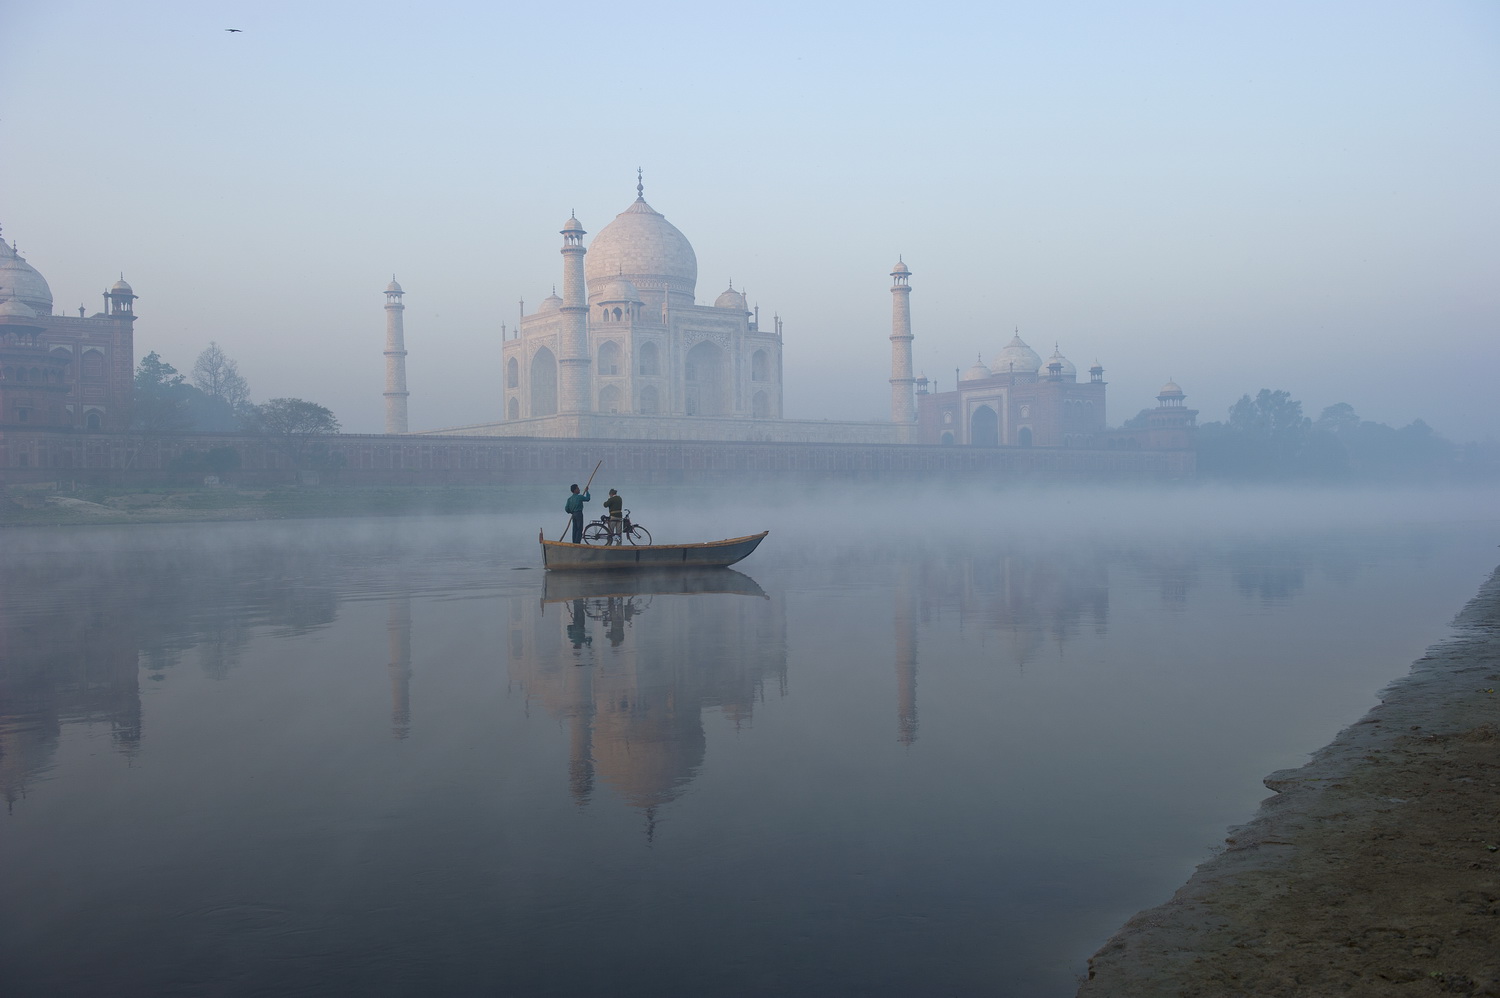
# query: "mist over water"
{"type": "Point", "coordinates": [922, 742]}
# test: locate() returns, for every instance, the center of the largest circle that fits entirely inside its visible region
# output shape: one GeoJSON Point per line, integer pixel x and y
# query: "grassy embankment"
{"type": "Point", "coordinates": [45, 506]}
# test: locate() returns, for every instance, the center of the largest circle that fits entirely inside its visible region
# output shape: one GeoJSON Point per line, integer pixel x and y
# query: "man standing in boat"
{"type": "Point", "coordinates": [574, 506]}
{"type": "Point", "coordinates": [613, 504]}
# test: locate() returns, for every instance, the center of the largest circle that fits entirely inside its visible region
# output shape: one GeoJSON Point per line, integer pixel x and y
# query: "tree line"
{"type": "Point", "coordinates": [1268, 438]}
{"type": "Point", "coordinates": [217, 399]}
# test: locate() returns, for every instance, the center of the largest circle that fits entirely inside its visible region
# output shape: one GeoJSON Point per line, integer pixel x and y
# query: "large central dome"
{"type": "Point", "coordinates": [645, 249]}
{"type": "Point", "coordinates": [20, 281]}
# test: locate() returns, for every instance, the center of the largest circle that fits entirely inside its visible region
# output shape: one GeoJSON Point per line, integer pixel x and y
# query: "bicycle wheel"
{"type": "Point", "coordinates": [595, 533]}
{"type": "Point", "coordinates": [639, 534]}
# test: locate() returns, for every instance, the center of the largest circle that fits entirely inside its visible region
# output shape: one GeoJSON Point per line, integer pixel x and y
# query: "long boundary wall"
{"type": "Point", "coordinates": [358, 459]}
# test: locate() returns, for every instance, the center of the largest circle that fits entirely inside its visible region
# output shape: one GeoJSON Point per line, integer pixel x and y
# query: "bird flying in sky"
{"type": "Point", "coordinates": [232, 29]}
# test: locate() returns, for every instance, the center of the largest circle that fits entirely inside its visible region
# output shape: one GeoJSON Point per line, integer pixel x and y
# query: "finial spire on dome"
{"type": "Point", "coordinates": [640, 184]}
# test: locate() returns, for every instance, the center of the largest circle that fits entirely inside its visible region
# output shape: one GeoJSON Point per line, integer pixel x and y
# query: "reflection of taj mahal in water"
{"type": "Point", "coordinates": [626, 352]}
{"type": "Point", "coordinates": [632, 667]}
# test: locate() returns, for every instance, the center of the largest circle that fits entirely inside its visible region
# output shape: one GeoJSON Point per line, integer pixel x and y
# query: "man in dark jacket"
{"type": "Point", "coordinates": [613, 504]}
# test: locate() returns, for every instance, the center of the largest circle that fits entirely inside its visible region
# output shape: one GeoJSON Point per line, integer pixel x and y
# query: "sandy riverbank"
{"type": "Point", "coordinates": [1373, 871]}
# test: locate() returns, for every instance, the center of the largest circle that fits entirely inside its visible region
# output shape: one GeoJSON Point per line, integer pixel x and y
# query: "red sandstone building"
{"type": "Point", "coordinates": [61, 372]}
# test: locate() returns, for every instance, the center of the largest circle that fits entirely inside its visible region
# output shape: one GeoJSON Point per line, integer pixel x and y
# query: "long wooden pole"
{"type": "Point", "coordinates": [585, 489]}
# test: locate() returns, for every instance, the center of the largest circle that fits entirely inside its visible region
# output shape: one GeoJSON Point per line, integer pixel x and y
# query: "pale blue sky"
{"type": "Point", "coordinates": [1235, 195]}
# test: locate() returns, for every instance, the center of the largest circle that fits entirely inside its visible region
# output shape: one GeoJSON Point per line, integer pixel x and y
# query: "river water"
{"type": "Point", "coordinates": [915, 745]}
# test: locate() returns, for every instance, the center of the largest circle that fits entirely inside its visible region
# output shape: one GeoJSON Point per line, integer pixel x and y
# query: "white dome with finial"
{"type": "Point", "coordinates": [731, 299]}
{"type": "Point", "coordinates": [1069, 371]}
{"type": "Point", "coordinates": [976, 372]}
{"type": "Point", "coordinates": [16, 309]}
{"type": "Point", "coordinates": [393, 288]}
{"type": "Point", "coordinates": [618, 289]}
{"type": "Point", "coordinates": [641, 246]}
{"type": "Point", "coordinates": [20, 281]}
{"type": "Point", "coordinates": [551, 303]}
{"type": "Point", "coordinates": [1016, 358]}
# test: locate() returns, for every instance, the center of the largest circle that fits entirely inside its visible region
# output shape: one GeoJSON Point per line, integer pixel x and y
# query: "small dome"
{"type": "Point", "coordinates": [900, 268]}
{"type": "Point", "coordinates": [20, 280]}
{"type": "Point", "coordinates": [618, 289]}
{"type": "Point", "coordinates": [12, 307]}
{"type": "Point", "coordinates": [121, 287]}
{"type": "Point", "coordinates": [1016, 358]}
{"type": "Point", "coordinates": [572, 225]}
{"type": "Point", "coordinates": [1170, 388]}
{"type": "Point", "coordinates": [731, 299]}
{"type": "Point", "coordinates": [1098, 368]}
{"type": "Point", "coordinates": [1068, 370]}
{"type": "Point", "coordinates": [393, 288]}
{"type": "Point", "coordinates": [551, 303]}
{"type": "Point", "coordinates": [976, 372]}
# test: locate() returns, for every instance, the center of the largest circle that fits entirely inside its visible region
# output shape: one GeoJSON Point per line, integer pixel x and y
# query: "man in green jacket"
{"type": "Point", "coordinates": [574, 505]}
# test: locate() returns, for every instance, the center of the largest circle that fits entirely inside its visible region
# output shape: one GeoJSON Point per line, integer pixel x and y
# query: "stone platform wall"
{"type": "Point", "coordinates": [356, 459]}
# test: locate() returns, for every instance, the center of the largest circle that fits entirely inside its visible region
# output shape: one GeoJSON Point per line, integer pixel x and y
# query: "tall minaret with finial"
{"type": "Point", "coordinates": [575, 392]}
{"type": "Point", "coordinates": [395, 360]}
{"type": "Point", "coordinates": [903, 399]}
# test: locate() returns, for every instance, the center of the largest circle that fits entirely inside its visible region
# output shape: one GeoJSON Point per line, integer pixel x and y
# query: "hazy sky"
{"type": "Point", "coordinates": [1295, 195]}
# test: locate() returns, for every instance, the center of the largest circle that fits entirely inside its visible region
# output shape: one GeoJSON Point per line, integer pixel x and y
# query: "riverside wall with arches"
{"type": "Point", "coordinates": [376, 459]}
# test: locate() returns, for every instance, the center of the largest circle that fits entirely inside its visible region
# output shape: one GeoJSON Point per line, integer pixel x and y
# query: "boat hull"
{"type": "Point", "coordinates": [560, 556]}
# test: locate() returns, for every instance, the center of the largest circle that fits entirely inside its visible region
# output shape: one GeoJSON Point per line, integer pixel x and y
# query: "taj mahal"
{"type": "Point", "coordinates": [627, 352]}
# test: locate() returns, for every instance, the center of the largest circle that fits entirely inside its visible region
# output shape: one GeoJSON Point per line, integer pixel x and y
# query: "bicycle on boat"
{"type": "Point", "coordinates": [597, 531]}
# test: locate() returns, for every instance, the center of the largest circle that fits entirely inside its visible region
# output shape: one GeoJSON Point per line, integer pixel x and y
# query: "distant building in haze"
{"type": "Point", "coordinates": [627, 353]}
{"type": "Point", "coordinates": [57, 371]}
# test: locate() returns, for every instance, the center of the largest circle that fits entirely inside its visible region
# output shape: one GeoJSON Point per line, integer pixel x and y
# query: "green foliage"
{"type": "Point", "coordinates": [292, 424]}
{"type": "Point", "coordinates": [1268, 438]}
{"type": "Point", "coordinates": [166, 403]}
{"type": "Point", "coordinates": [161, 397]}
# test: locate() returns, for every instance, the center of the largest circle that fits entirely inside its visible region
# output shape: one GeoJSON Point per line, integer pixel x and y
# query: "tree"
{"type": "Point", "coordinates": [161, 398]}
{"type": "Point", "coordinates": [1337, 418]}
{"type": "Point", "coordinates": [218, 377]}
{"type": "Point", "coordinates": [292, 424]}
{"type": "Point", "coordinates": [1266, 437]}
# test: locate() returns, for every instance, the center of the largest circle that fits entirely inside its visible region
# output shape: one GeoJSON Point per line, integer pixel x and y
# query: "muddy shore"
{"type": "Point", "coordinates": [1374, 870]}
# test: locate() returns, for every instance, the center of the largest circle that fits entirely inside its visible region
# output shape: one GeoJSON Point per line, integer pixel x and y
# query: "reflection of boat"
{"type": "Point", "coordinates": [684, 581]}
{"type": "Point", "coordinates": [560, 555]}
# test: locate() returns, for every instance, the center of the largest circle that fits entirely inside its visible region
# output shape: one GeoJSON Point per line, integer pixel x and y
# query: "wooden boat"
{"type": "Point", "coordinates": [559, 555]}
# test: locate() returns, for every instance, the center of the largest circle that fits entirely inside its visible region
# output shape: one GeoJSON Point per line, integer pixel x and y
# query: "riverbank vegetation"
{"type": "Point", "coordinates": [1267, 438]}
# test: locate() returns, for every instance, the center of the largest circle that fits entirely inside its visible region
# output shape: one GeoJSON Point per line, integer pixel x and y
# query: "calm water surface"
{"type": "Point", "coordinates": [893, 755]}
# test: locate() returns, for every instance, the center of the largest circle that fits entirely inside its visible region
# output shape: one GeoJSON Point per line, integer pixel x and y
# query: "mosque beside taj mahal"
{"type": "Point", "coordinates": [626, 352]}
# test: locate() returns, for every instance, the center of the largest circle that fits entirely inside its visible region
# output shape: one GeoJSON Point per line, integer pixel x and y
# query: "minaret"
{"type": "Point", "coordinates": [574, 390]}
{"type": "Point", "coordinates": [395, 360]}
{"type": "Point", "coordinates": [903, 401]}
